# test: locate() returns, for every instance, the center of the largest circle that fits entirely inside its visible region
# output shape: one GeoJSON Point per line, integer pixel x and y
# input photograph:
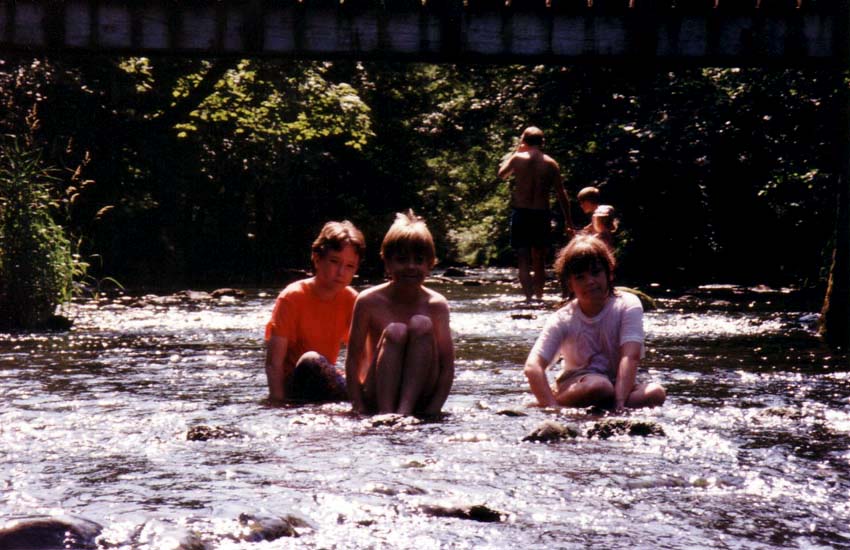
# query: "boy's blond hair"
{"type": "Point", "coordinates": [409, 235]}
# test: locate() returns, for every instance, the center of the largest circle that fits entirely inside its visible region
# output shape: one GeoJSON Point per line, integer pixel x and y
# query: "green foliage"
{"type": "Point", "coordinates": [36, 265]}
{"type": "Point", "coordinates": [223, 170]}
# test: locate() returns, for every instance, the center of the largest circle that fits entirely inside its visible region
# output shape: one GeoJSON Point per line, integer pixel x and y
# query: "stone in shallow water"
{"type": "Point", "coordinates": [511, 413]}
{"type": "Point", "coordinates": [205, 433]}
{"type": "Point", "coordinates": [257, 528]}
{"type": "Point", "coordinates": [476, 512]}
{"type": "Point", "coordinates": [49, 533]}
{"type": "Point", "coordinates": [549, 430]}
{"type": "Point", "coordinates": [611, 427]}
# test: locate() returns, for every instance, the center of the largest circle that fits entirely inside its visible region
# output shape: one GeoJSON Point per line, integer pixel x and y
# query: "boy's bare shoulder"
{"type": "Point", "coordinates": [435, 298]}
{"type": "Point", "coordinates": [373, 294]}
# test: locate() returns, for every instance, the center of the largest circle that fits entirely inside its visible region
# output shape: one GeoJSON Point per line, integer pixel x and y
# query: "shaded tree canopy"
{"type": "Point", "coordinates": [221, 171]}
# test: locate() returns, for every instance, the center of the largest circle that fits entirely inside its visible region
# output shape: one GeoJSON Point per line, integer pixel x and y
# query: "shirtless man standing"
{"type": "Point", "coordinates": [536, 175]}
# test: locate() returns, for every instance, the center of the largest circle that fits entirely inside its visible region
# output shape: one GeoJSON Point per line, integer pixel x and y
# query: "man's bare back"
{"type": "Point", "coordinates": [535, 174]}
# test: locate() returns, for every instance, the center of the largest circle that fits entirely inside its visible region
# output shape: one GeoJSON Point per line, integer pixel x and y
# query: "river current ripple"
{"type": "Point", "coordinates": [756, 451]}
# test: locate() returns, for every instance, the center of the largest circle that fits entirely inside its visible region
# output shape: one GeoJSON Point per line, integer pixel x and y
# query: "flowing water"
{"type": "Point", "coordinates": [755, 451]}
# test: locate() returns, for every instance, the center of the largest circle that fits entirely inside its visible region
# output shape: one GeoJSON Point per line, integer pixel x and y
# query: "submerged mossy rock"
{"type": "Point", "coordinates": [549, 430]}
{"type": "Point", "coordinates": [615, 426]}
{"type": "Point", "coordinates": [647, 301]}
{"type": "Point", "coordinates": [49, 533]}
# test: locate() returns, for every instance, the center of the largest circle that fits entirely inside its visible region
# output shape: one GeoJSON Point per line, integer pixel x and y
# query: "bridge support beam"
{"type": "Point", "coordinates": [437, 31]}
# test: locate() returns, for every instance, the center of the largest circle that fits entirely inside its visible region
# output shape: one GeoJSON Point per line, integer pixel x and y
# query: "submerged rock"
{"type": "Point", "coordinates": [477, 512]}
{"type": "Point", "coordinates": [230, 292]}
{"type": "Point", "coordinates": [523, 316]}
{"type": "Point", "coordinates": [205, 433]}
{"type": "Point", "coordinates": [454, 272]}
{"type": "Point", "coordinates": [257, 528]}
{"type": "Point", "coordinates": [611, 427]}
{"type": "Point", "coordinates": [49, 533]}
{"type": "Point", "coordinates": [194, 295]}
{"type": "Point", "coordinates": [392, 419]}
{"type": "Point", "coordinates": [56, 323]}
{"type": "Point", "coordinates": [549, 430]}
{"type": "Point", "coordinates": [511, 413]}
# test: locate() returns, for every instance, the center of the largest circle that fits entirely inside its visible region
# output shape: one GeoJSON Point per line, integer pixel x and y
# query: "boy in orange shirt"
{"type": "Point", "coordinates": [400, 353]}
{"type": "Point", "coordinates": [311, 319]}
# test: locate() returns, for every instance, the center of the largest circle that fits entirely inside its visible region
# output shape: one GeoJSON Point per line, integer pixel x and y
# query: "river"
{"type": "Point", "coordinates": [755, 451]}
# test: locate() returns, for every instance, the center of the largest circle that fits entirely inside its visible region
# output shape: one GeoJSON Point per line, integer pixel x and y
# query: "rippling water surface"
{"type": "Point", "coordinates": [756, 451]}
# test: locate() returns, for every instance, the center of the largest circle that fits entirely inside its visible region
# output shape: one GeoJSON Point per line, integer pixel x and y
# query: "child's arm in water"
{"type": "Point", "coordinates": [357, 355]}
{"type": "Point", "coordinates": [275, 356]}
{"type": "Point", "coordinates": [535, 371]}
{"type": "Point", "coordinates": [626, 372]}
{"type": "Point", "coordinates": [445, 358]}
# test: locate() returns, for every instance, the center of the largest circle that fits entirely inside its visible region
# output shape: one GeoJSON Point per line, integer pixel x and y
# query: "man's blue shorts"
{"type": "Point", "coordinates": [530, 228]}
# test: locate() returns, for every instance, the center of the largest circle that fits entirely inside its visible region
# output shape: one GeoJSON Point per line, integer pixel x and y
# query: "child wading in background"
{"type": "Point", "coordinates": [400, 352]}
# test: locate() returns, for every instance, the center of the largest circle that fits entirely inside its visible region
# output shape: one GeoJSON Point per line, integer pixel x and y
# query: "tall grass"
{"type": "Point", "coordinates": [37, 267]}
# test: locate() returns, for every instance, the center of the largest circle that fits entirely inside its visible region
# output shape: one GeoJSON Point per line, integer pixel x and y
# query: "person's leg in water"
{"type": "Point", "coordinates": [524, 268]}
{"type": "Point", "coordinates": [538, 266]}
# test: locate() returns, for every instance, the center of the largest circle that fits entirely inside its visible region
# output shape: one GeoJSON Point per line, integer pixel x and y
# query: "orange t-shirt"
{"type": "Point", "coordinates": [309, 323]}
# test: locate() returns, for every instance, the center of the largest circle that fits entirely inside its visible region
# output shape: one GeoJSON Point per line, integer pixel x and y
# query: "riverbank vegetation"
{"type": "Point", "coordinates": [183, 172]}
{"type": "Point", "coordinates": [37, 266]}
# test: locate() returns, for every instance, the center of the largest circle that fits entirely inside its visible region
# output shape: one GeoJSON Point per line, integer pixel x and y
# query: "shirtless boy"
{"type": "Point", "coordinates": [536, 175]}
{"type": "Point", "coordinates": [310, 321]}
{"type": "Point", "coordinates": [400, 355]}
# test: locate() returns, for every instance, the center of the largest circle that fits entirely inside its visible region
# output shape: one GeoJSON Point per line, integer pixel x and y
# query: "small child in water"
{"type": "Point", "coordinates": [604, 224]}
{"type": "Point", "coordinates": [598, 333]}
{"type": "Point", "coordinates": [400, 353]}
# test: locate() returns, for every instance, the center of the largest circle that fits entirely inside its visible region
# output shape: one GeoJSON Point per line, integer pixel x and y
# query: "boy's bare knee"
{"type": "Point", "coordinates": [395, 333]}
{"type": "Point", "coordinates": [311, 357]}
{"type": "Point", "coordinates": [657, 394]}
{"type": "Point", "coordinates": [420, 325]}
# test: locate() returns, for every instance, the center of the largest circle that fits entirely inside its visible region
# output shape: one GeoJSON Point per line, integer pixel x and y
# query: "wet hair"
{"type": "Point", "coordinates": [532, 136]}
{"type": "Point", "coordinates": [335, 235]}
{"type": "Point", "coordinates": [409, 235]}
{"type": "Point", "coordinates": [584, 253]}
{"type": "Point", "coordinates": [591, 194]}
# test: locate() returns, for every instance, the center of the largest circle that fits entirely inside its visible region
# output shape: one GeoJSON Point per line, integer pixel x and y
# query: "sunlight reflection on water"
{"type": "Point", "coordinates": [757, 427]}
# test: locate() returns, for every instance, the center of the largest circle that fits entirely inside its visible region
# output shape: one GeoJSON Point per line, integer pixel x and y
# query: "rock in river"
{"type": "Point", "coordinates": [49, 533]}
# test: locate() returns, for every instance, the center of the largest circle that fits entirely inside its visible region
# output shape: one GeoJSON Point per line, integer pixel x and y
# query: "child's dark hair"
{"type": "Point", "coordinates": [584, 253]}
{"type": "Point", "coordinates": [335, 235]}
{"type": "Point", "coordinates": [409, 235]}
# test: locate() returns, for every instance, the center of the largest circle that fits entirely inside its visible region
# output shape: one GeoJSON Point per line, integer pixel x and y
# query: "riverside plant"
{"type": "Point", "coordinates": [37, 266]}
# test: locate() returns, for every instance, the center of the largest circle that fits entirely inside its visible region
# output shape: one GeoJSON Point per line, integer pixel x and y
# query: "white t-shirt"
{"type": "Point", "coordinates": [591, 342]}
